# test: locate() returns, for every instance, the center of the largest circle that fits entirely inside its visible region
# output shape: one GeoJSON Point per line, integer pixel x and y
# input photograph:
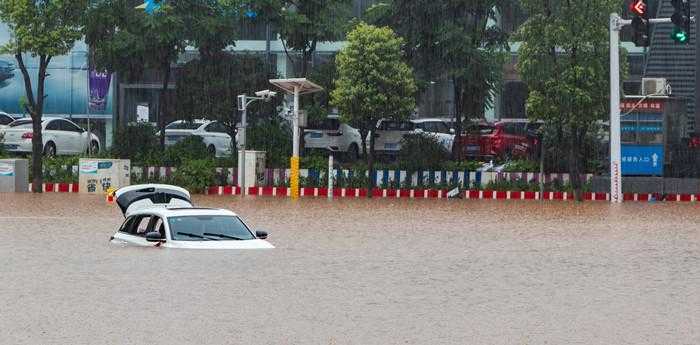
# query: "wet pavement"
{"type": "Point", "coordinates": [358, 272]}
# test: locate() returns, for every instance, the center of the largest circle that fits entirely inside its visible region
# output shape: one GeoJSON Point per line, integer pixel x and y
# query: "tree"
{"type": "Point", "coordinates": [373, 83]}
{"type": "Point", "coordinates": [451, 40]}
{"type": "Point", "coordinates": [305, 23]}
{"type": "Point", "coordinates": [207, 88]}
{"type": "Point", "coordinates": [564, 61]}
{"type": "Point", "coordinates": [42, 29]}
{"type": "Point", "coordinates": [127, 41]}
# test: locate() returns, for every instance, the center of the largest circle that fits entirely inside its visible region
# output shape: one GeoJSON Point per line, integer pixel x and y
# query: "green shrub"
{"type": "Point", "coordinates": [187, 149]}
{"type": "Point", "coordinates": [421, 152]}
{"type": "Point", "coordinates": [195, 175]}
{"type": "Point", "coordinates": [3, 154]}
{"type": "Point", "coordinates": [137, 142]}
{"type": "Point", "coordinates": [315, 162]}
{"type": "Point", "coordinates": [275, 138]}
{"type": "Point", "coordinates": [462, 165]}
{"type": "Point", "coordinates": [59, 169]}
{"type": "Point", "coordinates": [521, 166]}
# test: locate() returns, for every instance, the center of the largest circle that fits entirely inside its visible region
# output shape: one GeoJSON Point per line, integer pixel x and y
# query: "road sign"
{"type": "Point", "coordinates": [642, 160]}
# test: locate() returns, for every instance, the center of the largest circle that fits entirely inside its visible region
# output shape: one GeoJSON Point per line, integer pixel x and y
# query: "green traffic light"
{"type": "Point", "coordinates": [679, 35]}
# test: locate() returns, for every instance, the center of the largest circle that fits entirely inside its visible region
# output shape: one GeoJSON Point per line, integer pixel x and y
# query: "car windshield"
{"type": "Point", "coordinates": [22, 124]}
{"type": "Point", "coordinates": [197, 228]}
{"type": "Point", "coordinates": [397, 125]}
{"type": "Point", "coordinates": [183, 125]}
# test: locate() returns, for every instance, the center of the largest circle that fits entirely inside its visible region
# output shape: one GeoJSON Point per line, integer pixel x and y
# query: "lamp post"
{"type": "Point", "coordinates": [243, 102]}
{"type": "Point", "coordinates": [296, 87]}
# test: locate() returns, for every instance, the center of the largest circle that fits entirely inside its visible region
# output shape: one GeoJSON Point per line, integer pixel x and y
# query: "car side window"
{"type": "Point", "coordinates": [5, 120]}
{"type": "Point", "coordinates": [71, 127]}
{"type": "Point", "coordinates": [216, 128]}
{"type": "Point", "coordinates": [53, 126]}
{"type": "Point", "coordinates": [442, 127]}
{"type": "Point", "coordinates": [140, 227]}
{"type": "Point", "coordinates": [127, 225]}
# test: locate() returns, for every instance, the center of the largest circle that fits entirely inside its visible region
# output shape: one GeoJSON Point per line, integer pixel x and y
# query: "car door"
{"type": "Point", "coordinates": [77, 136]}
{"type": "Point", "coordinates": [217, 135]}
{"type": "Point", "coordinates": [133, 231]}
{"type": "Point", "coordinates": [52, 133]}
{"type": "Point", "coordinates": [67, 140]}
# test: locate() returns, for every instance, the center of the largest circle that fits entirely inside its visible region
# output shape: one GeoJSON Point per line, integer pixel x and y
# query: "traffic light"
{"type": "Point", "coordinates": [640, 23]}
{"type": "Point", "coordinates": [681, 21]}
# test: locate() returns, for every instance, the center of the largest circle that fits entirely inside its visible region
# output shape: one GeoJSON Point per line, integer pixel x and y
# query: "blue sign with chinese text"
{"type": "Point", "coordinates": [642, 160]}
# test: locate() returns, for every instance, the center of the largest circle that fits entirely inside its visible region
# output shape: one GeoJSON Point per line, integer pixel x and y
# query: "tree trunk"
{"type": "Point", "coordinates": [574, 169]}
{"type": "Point", "coordinates": [363, 138]}
{"type": "Point", "coordinates": [35, 108]}
{"type": "Point", "coordinates": [163, 104]}
{"type": "Point", "coordinates": [370, 164]}
{"type": "Point", "coordinates": [457, 89]}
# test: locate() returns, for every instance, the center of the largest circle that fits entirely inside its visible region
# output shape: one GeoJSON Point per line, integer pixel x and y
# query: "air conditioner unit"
{"type": "Point", "coordinates": [654, 86]}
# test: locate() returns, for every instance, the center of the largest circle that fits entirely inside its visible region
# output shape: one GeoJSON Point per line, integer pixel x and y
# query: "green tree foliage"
{"type": "Point", "coordinates": [126, 40]}
{"type": "Point", "coordinates": [207, 88]}
{"type": "Point", "coordinates": [454, 40]}
{"type": "Point", "coordinates": [420, 152]}
{"type": "Point", "coordinates": [564, 61]}
{"type": "Point", "coordinates": [42, 29]}
{"type": "Point", "coordinates": [373, 81]}
{"type": "Point", "coordinates": [303, 24]}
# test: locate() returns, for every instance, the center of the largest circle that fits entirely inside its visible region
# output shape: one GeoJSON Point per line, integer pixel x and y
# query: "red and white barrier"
{"type": "Point", "coordinates": [58, 187]}
{"type": "Point", "coordinates": [315, 192]}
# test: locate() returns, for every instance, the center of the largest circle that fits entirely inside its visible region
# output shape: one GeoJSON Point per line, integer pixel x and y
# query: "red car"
{"type": "Point", "coordinates": [511, 138]}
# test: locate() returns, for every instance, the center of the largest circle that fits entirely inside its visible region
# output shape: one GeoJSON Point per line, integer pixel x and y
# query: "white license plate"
{"type": "Point", "coordinates": [472, 148]}
{"type": "Point", "coordinates": [316, 135]}
{"type": "Point", "coordinates": [391, 146]}
{"type": "Point", "coordinates": [10, 146]}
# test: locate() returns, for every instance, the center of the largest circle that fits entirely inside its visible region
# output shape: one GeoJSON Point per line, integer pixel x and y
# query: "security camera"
{"type": "Point", "coordinates": [266, 94]}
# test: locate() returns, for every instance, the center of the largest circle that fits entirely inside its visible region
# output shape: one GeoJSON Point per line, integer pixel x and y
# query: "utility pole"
{"type": "Point", "coordinates": [616, 24]}
{"type": "Point", "coordinates": [697, 71]}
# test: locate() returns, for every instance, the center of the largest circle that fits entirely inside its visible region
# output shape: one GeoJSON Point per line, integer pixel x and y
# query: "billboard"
{"type": "Point", "coordinates": [70, 89]}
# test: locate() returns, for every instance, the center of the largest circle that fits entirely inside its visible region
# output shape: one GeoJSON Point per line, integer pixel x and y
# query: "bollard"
{"type": "Point", "coordinates": [330, 177]}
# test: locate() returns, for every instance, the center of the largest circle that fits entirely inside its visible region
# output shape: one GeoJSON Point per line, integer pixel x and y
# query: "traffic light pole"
{"type": "Point", "coordinates": [697, 70]}
{"type": "Point", "coordinates": [616, 24]}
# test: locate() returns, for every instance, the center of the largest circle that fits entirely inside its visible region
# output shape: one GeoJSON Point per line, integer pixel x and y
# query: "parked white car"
{"type": "Point", "coordinates": [388, 136]}
{"type": "Point", "coordinates": [334, 136]}
{"type": "Point", "coordinates": [5, 120]}
{"type": "Point", "coordinates": [60, 137]}
{"type": "Point", "coordinates": [438, 129]}
{"type": "Point", "coordinates": [214, 134]}
{"type": "Point", "coordinates": [389, 133]}
{"type": "Point", "coordinates": [159, 215]}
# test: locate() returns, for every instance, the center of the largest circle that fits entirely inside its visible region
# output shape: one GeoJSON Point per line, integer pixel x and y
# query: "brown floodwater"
{"type": "Point", "coordinates": [357, 272]}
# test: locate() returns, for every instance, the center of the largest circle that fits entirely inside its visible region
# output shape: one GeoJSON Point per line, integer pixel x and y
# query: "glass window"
{"type": "Point", "coordinates": [21, 124]}
{"type": "Point", "coordinates": [197, 228]}
{"type": "Point", "coordinates": [183, 125]}
{"type": "Point", "coordinates": [5, 119]}
{"type": "Point", "coordinates": [54, 126]}
{"type": "Point", "coordinates": [216, 127]}
{"type": "Point", "coordinates": [397, 126]}
{"type": "Point", "coordinates": [441, 127]}
{"type": "Point", "coordinates": [69, 126]}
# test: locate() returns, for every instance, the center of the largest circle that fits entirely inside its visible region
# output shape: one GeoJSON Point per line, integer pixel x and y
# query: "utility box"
{"type": "Point", "coordinates": [254, 168]}
{"type": "Point", "coordinates": [14, 175]}
{"type": "Point", "coordinates": [96, 176]}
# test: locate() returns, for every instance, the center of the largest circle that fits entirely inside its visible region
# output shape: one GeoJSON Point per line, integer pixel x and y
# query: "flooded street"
{"type": "Point", "coordinates": [357, 272]}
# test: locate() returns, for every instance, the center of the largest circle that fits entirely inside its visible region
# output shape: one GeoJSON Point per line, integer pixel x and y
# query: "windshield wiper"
{"type": "Point", "coordinates": [224, 236]}
{"type": "Point", "coordinates": [195, 236]}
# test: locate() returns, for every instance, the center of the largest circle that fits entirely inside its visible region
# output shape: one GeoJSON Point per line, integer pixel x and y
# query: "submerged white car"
{"type": "Point", "coordinates": [163, 216]}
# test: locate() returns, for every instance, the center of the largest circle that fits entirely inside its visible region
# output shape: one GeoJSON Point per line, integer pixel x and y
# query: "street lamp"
{"type": "Point", "coordinates": [296, 87]}
{"type": "Point", "coordinates": [243, 103]}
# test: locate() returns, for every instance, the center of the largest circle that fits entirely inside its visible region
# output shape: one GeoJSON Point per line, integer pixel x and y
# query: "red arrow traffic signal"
{"type": "Point", "coordinates": [638, 7]}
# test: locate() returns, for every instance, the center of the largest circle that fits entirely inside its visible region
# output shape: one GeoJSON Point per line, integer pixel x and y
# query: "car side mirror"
{"type": "Point", "coordinates": [261, 234]}
{"type": "Point", "coordinates": [452, 131]}
{"type": "Point", "coordinates": [154, 236]}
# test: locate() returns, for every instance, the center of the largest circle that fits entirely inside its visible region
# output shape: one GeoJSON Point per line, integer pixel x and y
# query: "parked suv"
{"type": "Point", "coordinates": [511, 138]}
{"type": "Point", "coordinates": [437, 129]}
{"type": "Point", "coordinates": [332, 135]}
{"type": "Point", "coordinates": [388, 136]}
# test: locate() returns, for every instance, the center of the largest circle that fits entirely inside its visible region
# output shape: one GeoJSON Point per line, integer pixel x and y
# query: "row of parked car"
{"type": "Point", "coordinates": [507, 138]}
{"type": "Point", "coordinates": [513, 138]}
{"type": "Point", "coordinates": [59, 136]}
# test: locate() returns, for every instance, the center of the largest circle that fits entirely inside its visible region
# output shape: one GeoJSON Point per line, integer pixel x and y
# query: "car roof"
{"type": "Point", "coordinates": [166, 212]}
{"type": "Point", "coordinates": [427, 120]}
